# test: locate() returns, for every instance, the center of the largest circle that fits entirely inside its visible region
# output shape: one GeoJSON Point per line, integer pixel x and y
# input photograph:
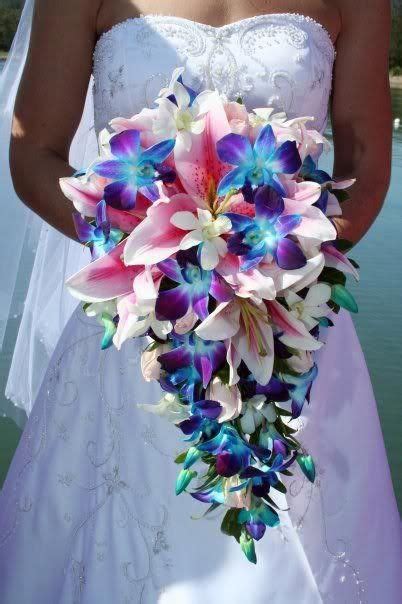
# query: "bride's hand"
{"type": "Point", "coordinates": [361, 113]}
{"type": "Point", "coordinates": [49, 105]}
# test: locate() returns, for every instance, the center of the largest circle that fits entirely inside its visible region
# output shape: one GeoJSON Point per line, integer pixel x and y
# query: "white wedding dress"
{"type": "Point", "coordinates": [88, 510]}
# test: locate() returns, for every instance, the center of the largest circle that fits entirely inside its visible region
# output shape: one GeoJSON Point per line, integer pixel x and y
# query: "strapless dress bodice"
{"type": "Point", "coordinates": [282, 60]}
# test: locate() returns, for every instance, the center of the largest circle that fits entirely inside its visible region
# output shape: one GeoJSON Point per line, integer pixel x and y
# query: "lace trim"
{"type": "Point", "coordinates": [227, 29]}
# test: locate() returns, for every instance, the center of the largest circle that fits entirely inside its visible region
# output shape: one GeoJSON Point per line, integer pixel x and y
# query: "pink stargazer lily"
{"type": "Point", "coordinates": [156, 238]}
{"type": "Point", "coordinates": [105, 278]}
{"type": "Point", "coordinates": [293, 332]}
{"type": "Point", "coordinates": [335, 259]}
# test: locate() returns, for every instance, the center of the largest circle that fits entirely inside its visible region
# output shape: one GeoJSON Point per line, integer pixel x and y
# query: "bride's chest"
{"type": "Point", "coordinates": [284, 61]}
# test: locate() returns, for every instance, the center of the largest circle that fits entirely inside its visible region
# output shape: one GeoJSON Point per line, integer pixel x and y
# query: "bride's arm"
{"type": "Point", "coordinates": [361, 112]}
{"type": "Point", "coordinates": [49, 105]}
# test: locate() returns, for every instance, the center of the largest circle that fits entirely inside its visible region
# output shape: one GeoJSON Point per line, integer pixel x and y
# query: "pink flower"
{"type": "Point", "coordinates": [156, 238]}
{"type": "Point", "coordinates": [104, 279]}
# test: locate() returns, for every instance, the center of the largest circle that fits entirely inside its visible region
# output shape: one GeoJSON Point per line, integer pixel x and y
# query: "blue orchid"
{"type": "Point", "coordinates": [193, 289]}
{"type": "Point", "coordinates": [265, 477]}
{"type": "Point", "coordinates": [189, 366]}
{"type": "Point", "coordinates": [202, 421]}
{"type": "Point", "coordinates": [257, 519]}
{"type": "Point", "coordinates": [299, 387]}
{"type": "Point", "coordinates": [267, 233]}
{"type": "Point", "coordinates": [134, 169]}
{"type": "Point", "coordinates": [259, 164]}
{"type": "Point", "coordinates": [101, 238]}
{"type": "Point", "coordinates": [233, 454]}
{"type": "Point", "coordinates": [310, 171]}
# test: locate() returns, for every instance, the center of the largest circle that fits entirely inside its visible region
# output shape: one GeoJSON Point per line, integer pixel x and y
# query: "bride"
{"type": "Point", "coordinates": [88, 512]}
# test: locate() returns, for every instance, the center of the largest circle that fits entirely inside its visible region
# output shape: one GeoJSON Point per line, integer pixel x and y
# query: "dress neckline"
{"type": "Point", "coordinates": [221, 29]}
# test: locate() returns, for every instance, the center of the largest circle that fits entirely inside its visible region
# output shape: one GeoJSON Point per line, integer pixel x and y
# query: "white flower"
{"type": "Point", "coordinates": [254, 412]}
{"type": "Point", "coordinates": [265, 115]}
{"type": "Point", "coordinates": [137, 312]}
{"type": "Point", "coordinates": [182, 118]}
{"type": "Point", "coordinates": [150, 366]}
{"type": "Point", "coordinates": [312, 307]}
{"type": "Point", "coordinates": [228, 396]}
{"type": "Point", "coordinates": [205, 229]}
{"type": "Point", "coordinates": [169, 407]}
{"type": "Point", "coordinates": [97, 309]}
{"type": "Point", "coordinates": [237, 498]}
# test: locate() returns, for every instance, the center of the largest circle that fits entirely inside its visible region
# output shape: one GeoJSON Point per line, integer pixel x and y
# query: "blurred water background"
{"type": "Point", "coordinates": [379, 322]}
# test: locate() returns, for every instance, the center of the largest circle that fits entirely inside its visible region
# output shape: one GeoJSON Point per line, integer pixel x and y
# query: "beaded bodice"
{"type": "Point", "coordinates": [280, 60]}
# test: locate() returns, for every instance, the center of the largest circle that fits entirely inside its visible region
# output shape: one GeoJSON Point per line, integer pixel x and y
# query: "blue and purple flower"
{"type": "Point", "coordinates": [195, 285]}
{"type": "Point", "coordinates": [257, 519]}
{"type": "Point", "coordinates": [266, 234]}
{"type": "Point", "coordinates": [134, 169]}
{"type": "Point", "coordinates": [258, 164]}
{"type": "Point", "coordinates": [189, 366]}
{"type": "Point", "coordinates": [101, 238]}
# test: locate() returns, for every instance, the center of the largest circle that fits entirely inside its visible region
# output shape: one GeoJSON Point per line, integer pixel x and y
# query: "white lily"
{"type": "Point", "coordinates": [204, 229]}
{"type": "Point", "coordinates": [169, 407]}
{"type": "Point", "coordinates": [312, 307]}
{"type": "Point", "coordinates": [228, 396]}
{"type": "Point", "coordinates": [255, 410]}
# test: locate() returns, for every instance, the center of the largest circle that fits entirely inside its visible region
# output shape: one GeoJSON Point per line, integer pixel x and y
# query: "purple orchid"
{"type": "Point", "coordinates": [193, 289]}
{"type": "Point", "coordinates": [256, 165]}
{"type": "Point", "coordinates": [262, 479]}
{"type": "Point", "coordinates": [189, 366]}
{"type": "Point", "coordinates": [266, 233]}
{"type": "Point", "coordinates": [202, 420]}
{"type": "Point", "coordinates": [257, 519]}
{"type": "Point", "coordinates": [101, 238]}
{"type": "Point", "coordinates": [134, 169]}
{"type": "Point", "coordinates": [233, 454]}
{"type": "Point", "coordinates": [299, 387]}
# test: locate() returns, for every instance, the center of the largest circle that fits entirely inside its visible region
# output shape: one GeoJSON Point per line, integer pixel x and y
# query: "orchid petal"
{"type": "Point", "coordinates": [289, 256]}
{"type": "Point", "coordinates": [235, 149]}
{"type": "Point", "coordinates": [125, 145]}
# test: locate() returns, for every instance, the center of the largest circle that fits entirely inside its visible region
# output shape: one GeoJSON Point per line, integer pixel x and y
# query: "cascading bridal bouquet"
{"type": "Point", "coordinates": [209, 228]}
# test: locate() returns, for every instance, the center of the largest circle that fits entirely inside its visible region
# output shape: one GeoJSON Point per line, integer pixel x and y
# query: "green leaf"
{"type": "Point", "coordinates": [341, 195]}
{"type": "Point", "coordinates": [343, 245]}
{"type": "Point", "coordinates": [307, 466]}
{"type": "Point", "coordinates": [334, 307]}
{"type": "Point", "coordinates": [340, 295]}
{"type": "Point", "coordinates": [180, 458]}
{"type": "Point", "coordinates": [247, 545]}
{"type": "Point", "coordinates": [332, 276]}
{"type": "Point", "coordinates": [230, 526]}
{"type": "Point", "coordinates": [183, 480]}
{"type": "Point", "coordinates": [281, 487]}
{"type": "Point", "coordinates": [353, 263]}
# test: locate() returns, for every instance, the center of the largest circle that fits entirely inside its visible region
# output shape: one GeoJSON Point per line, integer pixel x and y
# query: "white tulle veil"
{"type": "Point", "coordinates": [35, 258]}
